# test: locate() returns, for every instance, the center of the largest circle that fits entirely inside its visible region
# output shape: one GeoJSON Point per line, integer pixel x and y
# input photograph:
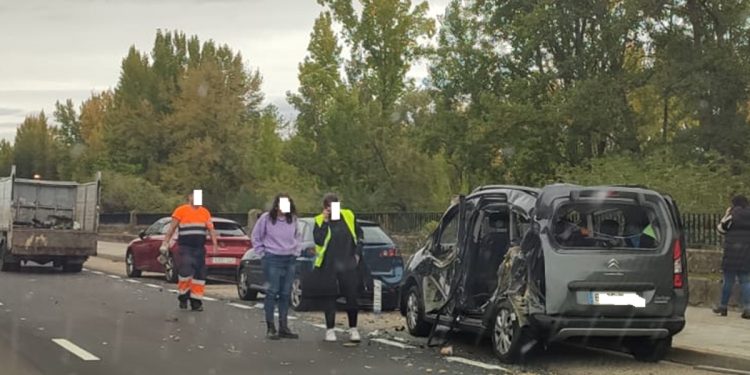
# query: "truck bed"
{"type": "Point", "coordinates": [35, 241]}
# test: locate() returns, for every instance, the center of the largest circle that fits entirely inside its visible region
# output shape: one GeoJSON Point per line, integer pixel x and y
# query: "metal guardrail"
{"type": "Point", "coordinates": [700, 229]}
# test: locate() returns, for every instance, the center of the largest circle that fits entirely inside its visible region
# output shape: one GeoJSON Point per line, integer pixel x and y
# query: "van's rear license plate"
{"type": "Point", "coordinates": [616, 299]}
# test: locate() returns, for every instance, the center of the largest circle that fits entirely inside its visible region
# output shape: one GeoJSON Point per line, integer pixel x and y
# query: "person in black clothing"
{"type": "Point", "coordinates": [339, 248]}
{"type": "Point", "coordinates": [735, 226]}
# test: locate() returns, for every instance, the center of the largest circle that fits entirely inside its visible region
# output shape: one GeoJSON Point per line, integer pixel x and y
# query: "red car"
{"type": "Point", "coordinates": [142, 253]}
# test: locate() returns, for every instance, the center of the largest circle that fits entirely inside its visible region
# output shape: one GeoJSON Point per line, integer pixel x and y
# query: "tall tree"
{"type": "Point", "coordinates": [36, 148]}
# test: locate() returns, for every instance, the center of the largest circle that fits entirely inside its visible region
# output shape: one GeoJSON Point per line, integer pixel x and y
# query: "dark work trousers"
{"type": "Point", "coordinates": [191, 272]}
{"type": "Point", "coordinates": [348, 281]}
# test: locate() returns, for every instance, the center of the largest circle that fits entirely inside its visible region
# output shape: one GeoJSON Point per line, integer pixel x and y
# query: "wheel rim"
{"type": "Point", "coordinates": [296, 296]}
{"type": "Point", "coordinates": [129, 264]}
{"type": "Point", "coordinates": [169, 269]}
{"type": "Point", "coordinates": [412, 310]}
{"type": "Point", "coordinates": [242, 285]}
{"type": "Point", "coordinates": [503, 332]}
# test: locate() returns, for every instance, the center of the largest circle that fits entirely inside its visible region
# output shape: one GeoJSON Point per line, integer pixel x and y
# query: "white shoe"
{"type": "Point", "coordinates": [330, 335]}
{"type": "Point", "coordinates": [354, 335]}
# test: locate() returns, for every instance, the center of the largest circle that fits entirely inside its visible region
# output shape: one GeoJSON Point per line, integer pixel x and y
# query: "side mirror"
{"type": "Point", "coordinates": [142, 235]}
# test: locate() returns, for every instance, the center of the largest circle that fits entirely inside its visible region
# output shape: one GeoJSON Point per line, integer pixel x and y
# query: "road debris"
{"type": "Point", "coordinates": [446, 351]}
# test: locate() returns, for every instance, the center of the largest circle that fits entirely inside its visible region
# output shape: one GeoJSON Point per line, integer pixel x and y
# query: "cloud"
{"type": "Point", "coordinates": [10, 111]}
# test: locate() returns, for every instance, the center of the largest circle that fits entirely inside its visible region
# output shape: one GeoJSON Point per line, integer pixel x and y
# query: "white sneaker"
{"type": "Point", "coordinates": [354, 335]}
{"type": "Point", "coordinates": [330, 335]}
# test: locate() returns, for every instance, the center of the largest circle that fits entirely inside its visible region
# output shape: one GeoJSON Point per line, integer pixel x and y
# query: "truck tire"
{"type": "Point", "coordinates": [170, 270]}
{"type": "Point", "coordinates": [72, 267]}
{"type": "Point", "coordinates": [6, 264]}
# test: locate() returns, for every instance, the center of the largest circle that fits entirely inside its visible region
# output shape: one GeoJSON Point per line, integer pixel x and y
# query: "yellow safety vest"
{"type": "Point", "coordinates": [320, 251]}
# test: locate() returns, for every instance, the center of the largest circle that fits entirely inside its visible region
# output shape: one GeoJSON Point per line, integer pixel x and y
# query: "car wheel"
{"type": "Point", "coordinates": [296, 295]}
{"type": "Point", "coordinates": [509, 339]}
{"type": "Point", "coordinates": [130, 269]}
{"type": "Point", "coordinates": [244, 291]}
{"type": "Point", "coordinates": [170, 270]}
{"type": "Point", "coordinates": [650, 350]}
{"type": "Point", "coordinates": [415, 321]}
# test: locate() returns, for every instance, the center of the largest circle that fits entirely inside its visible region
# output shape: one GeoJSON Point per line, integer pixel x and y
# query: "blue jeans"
{"type": "Point", "coordinates": [744, 278]}
{"type": "Point", "coordinates": [279, 273]}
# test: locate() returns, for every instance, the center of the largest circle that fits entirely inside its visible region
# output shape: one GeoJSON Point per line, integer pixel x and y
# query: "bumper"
{"type": "Point", "coordinates": [561, 328]}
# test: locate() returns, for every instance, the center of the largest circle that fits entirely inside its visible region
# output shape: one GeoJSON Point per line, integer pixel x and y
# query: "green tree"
{"type": "Point", "coordinates": [36, 149]}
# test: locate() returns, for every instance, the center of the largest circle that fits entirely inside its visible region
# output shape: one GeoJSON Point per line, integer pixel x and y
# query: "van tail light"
{"type": "Point", "coordinates": [677, 254]}
{"type": "Point", "coordinates": [390, 253]}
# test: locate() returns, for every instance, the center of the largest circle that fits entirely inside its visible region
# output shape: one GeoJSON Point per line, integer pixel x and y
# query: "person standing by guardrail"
{"type": "Point", "coordinates": [275, 237]}
{"type": "Point", "coordinates": [735, 226]}
{"type": "Point", "coordinates": [193, 223]}
{"type": "Point", "coordinates": [338, 245]}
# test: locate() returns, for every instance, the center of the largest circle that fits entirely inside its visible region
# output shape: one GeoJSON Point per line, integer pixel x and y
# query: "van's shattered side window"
{"type": "Point", "coordinates": [608, 224]}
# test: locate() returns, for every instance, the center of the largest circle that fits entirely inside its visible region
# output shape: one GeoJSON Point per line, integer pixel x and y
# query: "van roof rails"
{"type": "Point", "coordinates": [525, 189]}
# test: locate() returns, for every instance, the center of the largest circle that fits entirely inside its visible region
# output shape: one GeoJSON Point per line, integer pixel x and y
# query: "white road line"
{"type": "Point", "coordinates": [153, 286]}
{"type": "Point", "coordinates": [1, 304]}
{"type": "Point", "coordinates": [75, 349]}
{"type": "Point", "coordinates": [173, 291]}
{"type": "Point", "coordinates": [477, 364]}
{"type": "Point", "coordinates": [84, 269]}
{"type": "Point", "coordinates": [133, 281]}
{"type": "Point", "coordinates": [114, 277]}
{"type": "Point", "coordinates": [241, 306]}
{"type": "Point", "coordinates": [208, 299]}
{"type": "Point", "coordinates": [259, 306]}
{"type": "Point", "coordinates": [97, 272]}
{"type": "Point", "coordinates": [393, 343]}
{"type": "Point", "coordinates": [722, 370]}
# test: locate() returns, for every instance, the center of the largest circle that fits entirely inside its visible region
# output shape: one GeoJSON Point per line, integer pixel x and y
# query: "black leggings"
{"type": "Point", "coordinates": [349, 285]}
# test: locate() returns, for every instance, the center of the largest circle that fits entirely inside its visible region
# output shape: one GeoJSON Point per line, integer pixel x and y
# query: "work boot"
{"type": "Point", "coordinates": [196, 305]}
{"type": "Point", "coordinates": [746, 314]}
{"type": "Point", "coordinates": [720, 310]}
{"type": "Point", "coordinates": [271, 333]}
{"type": "Point", "coordinates": [286, 333]}
{"type": "Point", "coordinates": [183, 302]}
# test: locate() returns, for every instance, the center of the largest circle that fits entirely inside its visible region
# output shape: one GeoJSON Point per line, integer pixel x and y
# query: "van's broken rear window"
{"type": "Point", "coordinates": [607, 225]}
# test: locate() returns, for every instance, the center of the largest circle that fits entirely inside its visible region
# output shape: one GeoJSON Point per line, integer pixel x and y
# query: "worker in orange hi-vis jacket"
{"type": "Point", "coordinates": [193, 223]}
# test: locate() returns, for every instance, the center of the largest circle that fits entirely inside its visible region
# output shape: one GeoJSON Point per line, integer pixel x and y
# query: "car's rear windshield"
{"type": "Point", "coordinates": [609, 224]}
{"type": "Point", "coordinates": [374, 235]}
{"type": "Point", "coordinates": [226, 229]}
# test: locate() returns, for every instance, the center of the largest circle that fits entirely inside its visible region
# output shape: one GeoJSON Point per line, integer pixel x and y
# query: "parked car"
{"type": "Point", "coordinates": [381, 258]}
{"type": "Point", "coordinates": [141, 254]}
{"type": "Point", "coordinates": [531, 266]}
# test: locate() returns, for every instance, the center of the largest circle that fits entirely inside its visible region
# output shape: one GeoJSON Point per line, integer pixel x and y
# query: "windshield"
{"type": "Point", "coordinates": [226, 229]}
{"type": "Point", "coordinates": [607, 225]}
{"type": "Point", "coordinates": [375, 235]}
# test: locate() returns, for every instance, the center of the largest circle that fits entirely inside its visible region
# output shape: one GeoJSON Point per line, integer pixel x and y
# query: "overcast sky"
{"type": "Point", "coordinates": [57, 49]}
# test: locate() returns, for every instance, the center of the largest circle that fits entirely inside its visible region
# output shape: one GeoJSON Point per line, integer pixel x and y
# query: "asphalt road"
{"type": "Point", "coordinates": [133, 326]}
{"type": "Point", "coordinates": [124, 327]}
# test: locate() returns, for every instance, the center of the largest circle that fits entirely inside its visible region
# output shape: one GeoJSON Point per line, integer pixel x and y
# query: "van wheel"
{"type": "Point", "coordinates": [415, 321]}
{"type": "Point", "coordinates": [509, 339]}
{"type": "Point", "coordinates": [130, 269]}
{"type": "Point", "coordinates": [650, 350]}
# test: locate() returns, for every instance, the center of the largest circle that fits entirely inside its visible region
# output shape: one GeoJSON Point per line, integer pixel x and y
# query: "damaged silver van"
{"type": "Point", "coordinates": [576, 263]}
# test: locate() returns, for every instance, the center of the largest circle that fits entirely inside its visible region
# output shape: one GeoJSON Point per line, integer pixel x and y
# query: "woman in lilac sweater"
{"type": "Point", "coordinates": [276, 239]}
